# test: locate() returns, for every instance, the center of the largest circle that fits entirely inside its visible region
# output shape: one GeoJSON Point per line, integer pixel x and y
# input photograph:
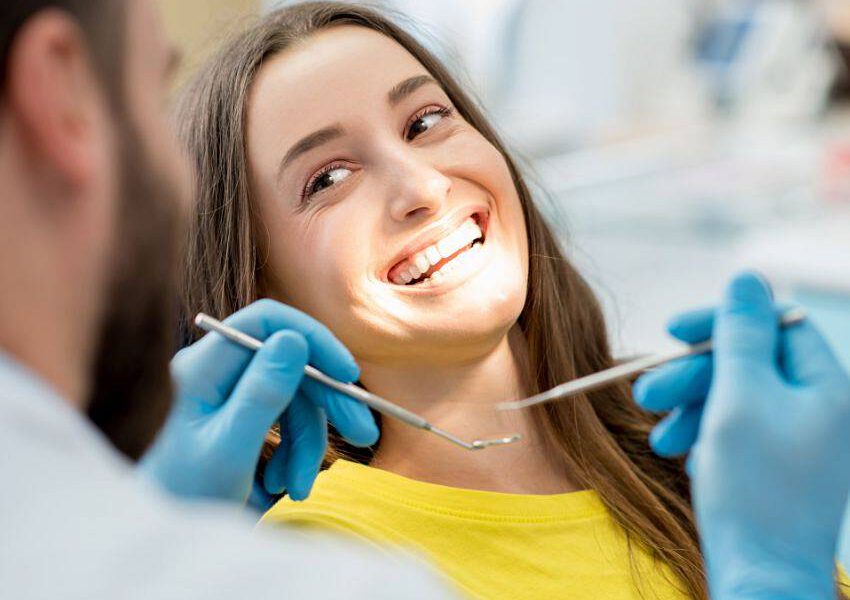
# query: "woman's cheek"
{"type": "Point", "coordinates": [481, 155]}
{"type": "Point", "coordinates": [296, 270]}
{"type": "Point", "coordinates": [334, 274]}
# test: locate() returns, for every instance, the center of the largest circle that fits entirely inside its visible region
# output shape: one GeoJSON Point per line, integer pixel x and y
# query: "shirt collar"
{"type": "Point", "coordinates": [33, 408]}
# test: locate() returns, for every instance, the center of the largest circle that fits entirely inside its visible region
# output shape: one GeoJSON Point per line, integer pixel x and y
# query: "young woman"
{"type": "Point", "coordinates": [342, 170]}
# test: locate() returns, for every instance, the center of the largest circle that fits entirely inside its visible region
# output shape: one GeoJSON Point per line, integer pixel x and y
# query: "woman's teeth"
{"type": "Point", "coordinates": [432, 261]}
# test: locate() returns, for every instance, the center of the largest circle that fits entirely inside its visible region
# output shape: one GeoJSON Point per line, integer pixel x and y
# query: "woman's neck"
{"type": "Point", "coordinates": [462, 399]}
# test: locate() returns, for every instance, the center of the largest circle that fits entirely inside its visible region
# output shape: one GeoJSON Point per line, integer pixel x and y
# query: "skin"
{"type": "Point", "coordinates": [59, 172]}
{"type": "Point", "coordinates": [151, 63]}
{"type": "Point", "coordinates": [449, 351]}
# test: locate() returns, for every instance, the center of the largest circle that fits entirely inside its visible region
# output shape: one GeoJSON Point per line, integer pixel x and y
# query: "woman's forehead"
{"type": "Point", "coordinates": [337, 78]}
{"type": "Point", "coordinates": [334, 67]}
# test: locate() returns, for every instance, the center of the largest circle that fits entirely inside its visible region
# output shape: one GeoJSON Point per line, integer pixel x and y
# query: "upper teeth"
{"type": "Point", "coordinates": [416, 265]}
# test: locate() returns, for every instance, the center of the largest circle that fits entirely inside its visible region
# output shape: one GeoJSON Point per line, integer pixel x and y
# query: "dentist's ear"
{"type": "Point", "coordinates": [55, 99]}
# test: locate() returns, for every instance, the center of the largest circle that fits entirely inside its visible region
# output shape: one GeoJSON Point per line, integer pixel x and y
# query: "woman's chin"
{"type": "Point", "coordinates": [448, 344]}
{"type": "Point", "coordinates": [483, 315]}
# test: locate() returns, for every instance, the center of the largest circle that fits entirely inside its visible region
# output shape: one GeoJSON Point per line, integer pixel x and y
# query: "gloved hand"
{"type": "Point", "coordinates": [228, 397]}
{"type": "Point", "coordinates": [770, 475]}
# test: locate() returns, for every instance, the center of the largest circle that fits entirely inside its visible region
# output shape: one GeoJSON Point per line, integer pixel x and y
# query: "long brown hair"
{"type": "Point", "coordinates": [601, 437]}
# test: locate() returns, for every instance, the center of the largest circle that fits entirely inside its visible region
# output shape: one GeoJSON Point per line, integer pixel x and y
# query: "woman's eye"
{"type": "Point", "coordinates": [426, 122]}
{"type": "Point", "coordinates": [326, 179]}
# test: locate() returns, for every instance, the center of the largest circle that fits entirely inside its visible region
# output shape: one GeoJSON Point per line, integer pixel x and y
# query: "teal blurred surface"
{"type": "Point", "coordinates": [831, 313]}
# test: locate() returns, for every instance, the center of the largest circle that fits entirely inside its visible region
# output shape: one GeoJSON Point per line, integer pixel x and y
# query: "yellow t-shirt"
{"type": "Point", "coordinates": [494, 546]}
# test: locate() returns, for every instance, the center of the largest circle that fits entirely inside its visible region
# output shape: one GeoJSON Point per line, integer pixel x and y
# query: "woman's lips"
{"type": "Point", "coordinates": [429, 262]}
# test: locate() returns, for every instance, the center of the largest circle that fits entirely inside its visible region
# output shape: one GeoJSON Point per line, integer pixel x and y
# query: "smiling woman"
{"type": "Point", "coordinates": [342, 170]}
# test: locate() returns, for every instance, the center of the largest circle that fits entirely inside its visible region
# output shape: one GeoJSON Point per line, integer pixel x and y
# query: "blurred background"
{"type": "Point", "coordinates": [674, 142]}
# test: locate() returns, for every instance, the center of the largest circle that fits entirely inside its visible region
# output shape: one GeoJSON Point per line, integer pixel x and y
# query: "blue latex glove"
{"type": "Point", "coordinates": [771, 465]}
{"type": "Point", "coordinates": [679, 388]}
{"type": "Point", "coordinates": [228, 397]}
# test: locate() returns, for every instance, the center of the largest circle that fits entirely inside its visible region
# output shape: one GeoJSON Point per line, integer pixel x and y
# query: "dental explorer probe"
{"type": "Point", "coordinates": [385, 407]}
{"type": "Point", "coordinates": [626, 370]}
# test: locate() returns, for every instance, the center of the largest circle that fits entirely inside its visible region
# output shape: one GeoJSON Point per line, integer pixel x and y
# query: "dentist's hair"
{"type": "Point", "coordinates": [601, 436]}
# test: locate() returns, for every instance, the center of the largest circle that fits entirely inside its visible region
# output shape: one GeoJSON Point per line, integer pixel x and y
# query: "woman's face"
{"type": "Point", "coordinates": [386, 215]}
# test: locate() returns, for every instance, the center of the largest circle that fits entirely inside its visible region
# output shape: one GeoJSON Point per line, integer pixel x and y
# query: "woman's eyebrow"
{"type": "Point", "coordinates": [398, 93]}
{"type": "Point", "coordinates": [403, 89]}
{"type": "Point", "coordinates": [309, 142]}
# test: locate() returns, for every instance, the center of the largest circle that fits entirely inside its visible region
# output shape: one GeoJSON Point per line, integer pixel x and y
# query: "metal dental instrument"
{"type": "Point", "coordinates": [385, 407]}
{"type": "Point", "coordinates": [626, 370]}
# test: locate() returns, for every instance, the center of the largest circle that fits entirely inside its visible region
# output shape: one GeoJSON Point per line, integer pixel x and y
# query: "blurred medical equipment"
{"type": "Point", "coordinates": [768, 59]}
{"type": "Point", "coordinates": [808, 258]}
{"type": "Point", "coordinates": [571, 72]}
{"type": "Point", "coordinates": [627, 370]}
{"type": "Point", "coordinates": [385, 407]}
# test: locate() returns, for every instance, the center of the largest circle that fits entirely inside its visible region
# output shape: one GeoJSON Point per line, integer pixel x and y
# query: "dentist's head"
{"type": "Point", "coordinates": [92, 181]}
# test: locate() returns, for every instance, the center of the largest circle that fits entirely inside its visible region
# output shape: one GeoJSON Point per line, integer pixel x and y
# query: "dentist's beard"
{"type": "Point", "coordinates": [132, 390]}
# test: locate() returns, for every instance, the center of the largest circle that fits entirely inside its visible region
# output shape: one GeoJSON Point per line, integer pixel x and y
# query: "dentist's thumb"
{"type": "Point", "coordinates": [746, 330]}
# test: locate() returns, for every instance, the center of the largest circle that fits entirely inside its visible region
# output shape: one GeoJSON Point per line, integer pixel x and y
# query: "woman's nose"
{"type": "Point", "coordinates": [421, 190]}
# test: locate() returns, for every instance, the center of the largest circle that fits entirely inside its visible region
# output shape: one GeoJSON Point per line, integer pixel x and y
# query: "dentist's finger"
{"type": "Point", "coordinates": [209, 369]}
{"type": "Point", "coordinates": [746, 330]}
{"type": "Point", "coordinates": [693, 326]}
{"type": "Point", "coordinates": [696, 326]}
{"type": "Point", "coordinates": [259, 499]}
{"type": "Point", "coordinates": [306, 435]}
{"type": "Point", "coordinates": [265, 390]}
{"type": "Point", "coordinates": [676, 434]}
{"type": "Point", "coordinates": [807, 359]}
{"type": "Point", "coordinates": [351, 418]}
{"type": "Point", "coordinates": [680, 383]}
{"type": "Point", "coordinates": [274, 473]}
